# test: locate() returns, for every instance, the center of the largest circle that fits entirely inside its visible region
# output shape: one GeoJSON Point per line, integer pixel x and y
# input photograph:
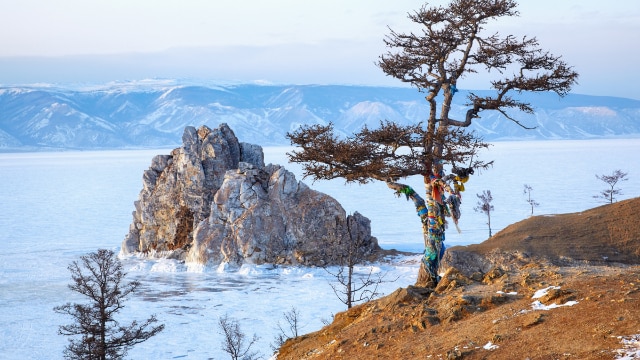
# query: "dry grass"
{"type": "Point", "coordinates": [463, 315]}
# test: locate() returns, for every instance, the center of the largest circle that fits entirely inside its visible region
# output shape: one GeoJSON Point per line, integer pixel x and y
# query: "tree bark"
{"type": "Point", "coordinates": [431, 215]}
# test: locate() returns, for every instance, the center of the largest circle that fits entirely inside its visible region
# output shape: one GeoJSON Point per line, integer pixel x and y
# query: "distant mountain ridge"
{"type": "Point", "coordinates": [154, 114]}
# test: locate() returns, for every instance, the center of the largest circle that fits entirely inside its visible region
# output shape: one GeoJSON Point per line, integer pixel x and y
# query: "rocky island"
{"type": "Point", "coordinates": [213, 200]}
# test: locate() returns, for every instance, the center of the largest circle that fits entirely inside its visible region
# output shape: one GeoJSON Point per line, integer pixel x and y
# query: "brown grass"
{"type": "Point", "coordinates": [591, 256]}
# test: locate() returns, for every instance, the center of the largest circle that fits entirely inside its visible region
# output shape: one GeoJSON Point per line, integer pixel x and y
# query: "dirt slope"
{"type": "Point", "coordinates": [606, 233]}
{"type": "Point", "coordinates": [489, 314]}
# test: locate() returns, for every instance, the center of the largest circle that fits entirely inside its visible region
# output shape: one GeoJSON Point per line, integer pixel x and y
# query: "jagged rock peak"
{"type": "Point", "coordinates": [213, 200]}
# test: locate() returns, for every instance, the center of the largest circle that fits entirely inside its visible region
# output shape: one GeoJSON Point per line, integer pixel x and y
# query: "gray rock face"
{"type": "Point", "coordinates": [213, 200]}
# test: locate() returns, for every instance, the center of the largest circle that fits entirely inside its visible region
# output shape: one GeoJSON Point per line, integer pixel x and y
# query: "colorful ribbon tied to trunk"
{"type": "Point", "coordinates": [431, 215]}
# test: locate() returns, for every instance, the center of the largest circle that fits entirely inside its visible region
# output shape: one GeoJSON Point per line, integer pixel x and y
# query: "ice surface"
{"type": "Point", "coordinates": [58, 206]}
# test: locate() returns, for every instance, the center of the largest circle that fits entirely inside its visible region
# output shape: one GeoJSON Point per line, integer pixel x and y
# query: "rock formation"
{"type": "Point", "coordinates": [213, 200]}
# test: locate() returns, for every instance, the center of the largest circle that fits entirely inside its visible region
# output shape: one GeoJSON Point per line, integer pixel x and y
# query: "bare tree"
{"type": "Point", "coordinates": [349, 288]}
{"type": "Point", "coordinates": [484, 206]}
{"type": "Point", "coordinates": [289, 330]}
{"type": "Point", "coordinates": [100, 277]}
{"type": "Point", "coordinates": [235, 342]}
{"type": "Point", "coordinates": [527, 191]}
{"type": "Point", "coordinates": [611, 180]}
{"type": "Point", "coordinates": [326, 321]}
{"type": "Point", "coordinates": [450, 45]}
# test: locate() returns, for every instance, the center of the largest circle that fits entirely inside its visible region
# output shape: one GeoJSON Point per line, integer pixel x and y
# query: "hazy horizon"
{"type": "Point", "coordinates": [286, 41]}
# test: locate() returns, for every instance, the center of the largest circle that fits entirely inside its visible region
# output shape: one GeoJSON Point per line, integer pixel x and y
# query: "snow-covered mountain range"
{"type": "Point", "coordinates": [155, 113]}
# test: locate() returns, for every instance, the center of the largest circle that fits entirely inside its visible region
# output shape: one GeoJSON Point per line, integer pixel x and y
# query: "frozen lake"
{"type": "Point", "coordinates": [58, 206]}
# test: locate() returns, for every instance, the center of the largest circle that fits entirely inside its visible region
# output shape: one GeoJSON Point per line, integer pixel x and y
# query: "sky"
{"type": "Point", "coordinates": [286, 41]}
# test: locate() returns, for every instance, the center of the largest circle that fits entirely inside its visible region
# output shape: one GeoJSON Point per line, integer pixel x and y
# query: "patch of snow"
{"type": "Point", "coordinates": [490, 346]}
{"type": "Point", "coordinates": [594, 110]}
{"type": "Point", "coordinates": [222, 267]}
{"type": "Point", "coordinates": [631, 347]}
{"type": "Point", "coordinates": [166, 266]}
{"type": "Point", "coordinates": [195, 267]}
{"type": "Point", "coordinates": [509, 293]}
{"type": "Point", "coordinates": [537, 305]}
{"type": "Point", "coordinates": [540, 293]}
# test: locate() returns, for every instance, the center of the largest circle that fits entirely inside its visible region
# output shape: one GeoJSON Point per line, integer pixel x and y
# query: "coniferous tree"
{"type": "Point", "coordinates": [96, 334]}
{"type": "Point", "coordinates": [451, 44]}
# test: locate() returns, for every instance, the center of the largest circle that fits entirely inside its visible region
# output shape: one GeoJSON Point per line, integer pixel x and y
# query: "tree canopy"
{"type": "Point", "coordinates": [449, 46]}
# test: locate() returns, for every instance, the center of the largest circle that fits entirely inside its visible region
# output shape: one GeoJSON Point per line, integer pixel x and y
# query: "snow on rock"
{"type": "Point", "coordinates": [537, 305]}
{"type": "Point", "coordinates": [631, 348]}
{"type": "Point", "coordinates": [507, 293]}
{"type": "Point", "coordinates": [549, 293]}
{"type": "Point", "coordinates": [213, 200]}
{"type": "Point", "coordinates": [542, 292]}
{"type": "Point", "coordinates": [490, 346]}
{"type": "Point", "coordinates": [595, 110]}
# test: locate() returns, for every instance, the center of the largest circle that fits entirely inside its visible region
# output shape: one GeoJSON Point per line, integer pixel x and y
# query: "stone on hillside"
{"type": "Point", "coordinates": [214, 200]}
{"type": "Point", "coordinates": [467, 263]}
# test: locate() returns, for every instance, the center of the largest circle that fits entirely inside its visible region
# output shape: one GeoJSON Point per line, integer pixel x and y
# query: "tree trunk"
{"type": "Point", "coordinates": [431, 215]}
{"type": "Point", "coordinates": [424, 277]}
{"type": "Point", "coordinates": [349, 287]}
{"type": "Point", "coordinates": [428, 273]}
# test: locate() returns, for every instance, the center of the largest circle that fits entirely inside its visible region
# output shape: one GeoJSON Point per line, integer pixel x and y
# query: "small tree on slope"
{"type": "Point", "coordinates": [484, 206]}
{"type": "Point", "coordinates": [350, 288]}
{"type": "Point", "coordinates": [527, 191]}
{"type": "Point", "coordinates": [289, 330]}
{"type": "Point", "coordinates": [450, 45]}
{"type": "Point", "coordinates": [99, 277]}
{"type": "Point", "coordinates": [612, 180]}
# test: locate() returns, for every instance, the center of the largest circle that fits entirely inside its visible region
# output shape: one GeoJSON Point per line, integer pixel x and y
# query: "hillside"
{"type": "Point", "coordinates": [153, 113]}
{"type": "Point", "coordinates": [606, 234]}
{"type": "Point", "coordinates": [547, 293]}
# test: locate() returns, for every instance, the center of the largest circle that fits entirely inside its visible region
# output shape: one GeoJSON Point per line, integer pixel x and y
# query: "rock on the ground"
{"type": "Point", "coordinates": [213, 200]}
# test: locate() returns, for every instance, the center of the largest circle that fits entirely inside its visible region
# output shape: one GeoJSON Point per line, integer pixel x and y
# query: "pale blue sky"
{"type": "Point", "coordinates": [285, 41]}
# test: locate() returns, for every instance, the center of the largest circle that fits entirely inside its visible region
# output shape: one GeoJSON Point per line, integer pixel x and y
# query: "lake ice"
{"type": "Point", "coordinates": [58, 206]}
